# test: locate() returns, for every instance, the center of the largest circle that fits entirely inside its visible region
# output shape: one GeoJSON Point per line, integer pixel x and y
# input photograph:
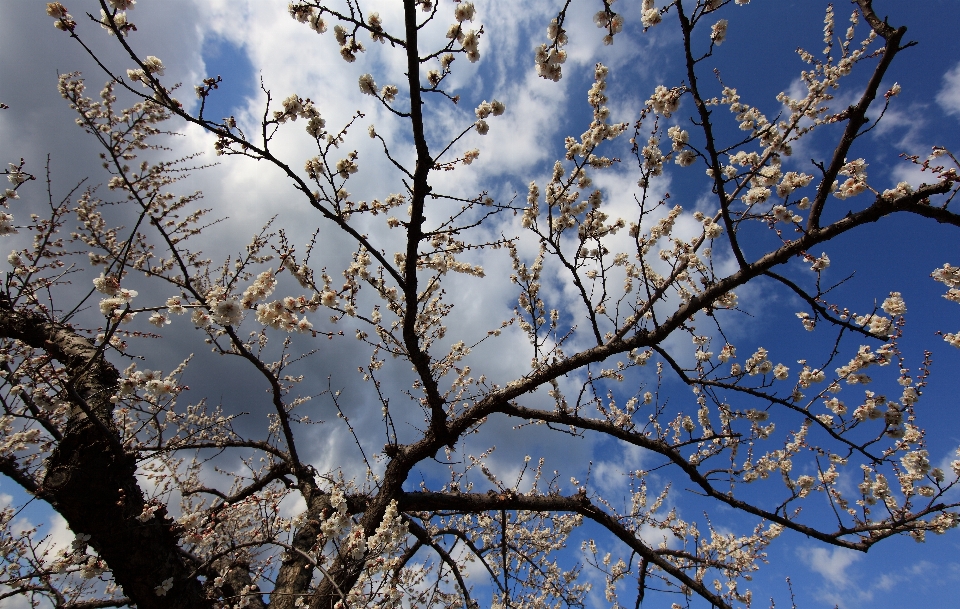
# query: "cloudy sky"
{"type": "Point", "coordinates": [254, 43]}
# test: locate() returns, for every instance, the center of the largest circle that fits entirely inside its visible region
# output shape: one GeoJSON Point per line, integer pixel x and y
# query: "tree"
{"type": "Point", "coordinates": [147, 474]}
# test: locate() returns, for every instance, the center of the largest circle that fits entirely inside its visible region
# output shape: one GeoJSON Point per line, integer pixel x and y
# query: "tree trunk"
{"type": "Point", "coordinates": [91, 481]}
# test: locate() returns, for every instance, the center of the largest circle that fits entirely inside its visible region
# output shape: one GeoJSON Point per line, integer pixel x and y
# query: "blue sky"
{"type": "Point", "coordinates": [246, 42]}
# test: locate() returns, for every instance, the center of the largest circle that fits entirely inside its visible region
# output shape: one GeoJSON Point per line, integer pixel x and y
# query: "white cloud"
{"type": "Point", "coordinates": [516, 150]}
{"type": "Point", "coordinates": [831, 564]}
{"type": "Point", "coordinates": [58, 536]}
{"type": "Point", "coordinates": [949, 95]}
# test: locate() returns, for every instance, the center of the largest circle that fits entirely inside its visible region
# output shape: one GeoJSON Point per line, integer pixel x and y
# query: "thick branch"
{"type": "Point", "coordinates": [93, 485]}
{"type": "Point", "coordinates": [477, 502]}
{"type": "Point", "coordinates": [237, 586]}
{"type": "Point", "coordinates": [99, 604]}
{"type": "Point", "coordinates": [296, 569]}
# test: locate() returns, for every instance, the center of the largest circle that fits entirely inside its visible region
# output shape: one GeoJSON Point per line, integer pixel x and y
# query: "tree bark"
{"type": "Point", "coordinates": [92, 483]}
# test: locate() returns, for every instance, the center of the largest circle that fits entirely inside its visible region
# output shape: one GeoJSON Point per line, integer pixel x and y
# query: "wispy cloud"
{"type": "Point", "coordinates": [831, 564]}
{"type": "Point", "coordinates": [949, 95]}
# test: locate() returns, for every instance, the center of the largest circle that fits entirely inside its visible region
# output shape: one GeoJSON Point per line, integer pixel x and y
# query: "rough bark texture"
{"type": "Point", "coordinates": [296, 571]}
{"type": "Point", "coordinates": [237, 583]}
{"type": "Point", "coordinates": [92, 484]}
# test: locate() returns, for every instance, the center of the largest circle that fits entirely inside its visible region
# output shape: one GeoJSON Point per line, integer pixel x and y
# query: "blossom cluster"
{"type": "Point", "coordinates": [549, 58]}
{"type": "Point", "coordinates": [856, 183]}
{"type": "Point", "coordinates": [469, 40]}
{"type": "Point", "coordinates": [569, 256]}
{"type": "Point", "coordinates": [305, 13]}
